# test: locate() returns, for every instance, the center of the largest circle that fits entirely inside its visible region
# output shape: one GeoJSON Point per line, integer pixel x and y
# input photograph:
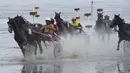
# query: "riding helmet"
{"type": "Point", "coordinates": [48, 19]}
{"type": "Point", "coordinates": [74, 19]}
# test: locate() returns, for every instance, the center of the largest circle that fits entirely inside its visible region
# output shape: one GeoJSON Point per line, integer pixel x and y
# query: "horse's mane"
{"type": "Point", "coordinates": [122, 20]}
{"type": "Point", "coordinates": [26, 20]}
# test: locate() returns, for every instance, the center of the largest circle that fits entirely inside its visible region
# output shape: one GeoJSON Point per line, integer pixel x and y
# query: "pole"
{"type": "Point", "coordinates": [34, 10]}
{"type": "Point", "coordinates": [76, 13]}
{"type": "Point", "coordinates": [92, 11]}
{"type": "Point", "coordinates": [92, 7]}
{"type": "Point", "coordinates": [33, 18]}
{"type": "Point", "coordinates": [77, 9]}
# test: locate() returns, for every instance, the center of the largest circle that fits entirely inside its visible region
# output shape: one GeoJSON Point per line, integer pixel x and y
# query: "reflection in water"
{"type": "Point", "coordinates": [124, 67]}
{"type": "Point", "coordinates": [42, 68]}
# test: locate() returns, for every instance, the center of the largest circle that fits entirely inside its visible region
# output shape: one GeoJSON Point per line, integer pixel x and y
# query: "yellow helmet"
{"type": "Point", "coordinates": [74, 19]}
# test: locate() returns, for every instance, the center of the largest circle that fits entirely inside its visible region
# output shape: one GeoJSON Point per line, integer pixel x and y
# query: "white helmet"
{"type": "Point", "coordinates": [48, 19]}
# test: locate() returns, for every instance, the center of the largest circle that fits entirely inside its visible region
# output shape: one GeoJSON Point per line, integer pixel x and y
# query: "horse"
{"type": "Point", "coordinates": [107, 22]}
{"type": "Point", "coordinates": [102, 26]}
{"type": "Point", "coordinates": [64, 26]}
{"type": "Point", "coordinates": [124, 29]}
{"type": "Point", "coordinates": [22, 33]}
{"type": "Point", "coordinates": [99, 27]}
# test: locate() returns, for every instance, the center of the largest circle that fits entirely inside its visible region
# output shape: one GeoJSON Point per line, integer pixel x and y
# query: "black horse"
{"type": "Point", "coordinates": [124, 29]}
{"type": "Point", "coordinates": [99, 22]}
{"type": "Point", "coordinates": [99, 27]}
{"type": "Point", "coordinates": [107, 23]}
{"type": "Point", "coordinates": [23, 34]}
{"type": "Point", "coordinates": [102, 26]}
{"type": "Point", "coordinates": [64, 26]}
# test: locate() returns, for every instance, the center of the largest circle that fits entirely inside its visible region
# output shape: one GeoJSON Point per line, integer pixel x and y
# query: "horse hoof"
{"type": "Point", "coordinates": [117, 49]}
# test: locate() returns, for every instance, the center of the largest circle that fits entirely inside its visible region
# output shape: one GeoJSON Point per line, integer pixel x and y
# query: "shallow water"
{"type": "Point", "coordinates": [96, 57]}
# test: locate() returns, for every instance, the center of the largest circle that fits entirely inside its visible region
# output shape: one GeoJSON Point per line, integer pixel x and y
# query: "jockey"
{"type": "Point", "coordinates": [49, 27]}
{"type": "Point", "coordinates": [76, 24]}
{"type": "Point", "coordinates": [55, 26]}
{"type": "Point", "coordinates": [106, 17]}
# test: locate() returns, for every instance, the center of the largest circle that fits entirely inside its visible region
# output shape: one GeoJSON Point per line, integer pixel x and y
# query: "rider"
{"type": "Point", "coordinates": [106, 17]}
{"type": "Point", "coordinates": [49, 27]}
{"type": "Point", "coordinates": [55, 26]}
{"type": "Point", "coordinates": [76, 24]}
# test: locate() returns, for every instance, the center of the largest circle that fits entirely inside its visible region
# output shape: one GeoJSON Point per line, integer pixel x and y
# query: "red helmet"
{"type": "Point", "coordinates": [52, 20]}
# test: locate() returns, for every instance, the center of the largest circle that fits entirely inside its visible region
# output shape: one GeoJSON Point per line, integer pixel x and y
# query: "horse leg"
{"type": "Point", "coordinates": [20, 45]}
{"type": "Point", "coordinates": [103, 37]}
{"type": "Point", "coordinates": [35, 45]}
{"type": "Point", "coordinates": [108, 38]}
{"type": "Point", "coordinates": [40, 47]}
{"type": "Point", "coordinates": [119, 41]}
{"type": "Point", "coordinates": [44, 42]}
{"type": "Point", "coordinates": [99, 36]}
{"type": "Point", "coordinates": [118, 67]}
{"type": "Point", "coordinates": [22, 49]}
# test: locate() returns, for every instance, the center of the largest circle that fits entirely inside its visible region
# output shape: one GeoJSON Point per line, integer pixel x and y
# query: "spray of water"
{"type": "Point", "coordinates": [77, 46]}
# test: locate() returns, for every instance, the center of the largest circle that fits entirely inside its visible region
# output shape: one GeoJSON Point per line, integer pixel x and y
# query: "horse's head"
{"type": "Point", "coordinates": [100, 16]}
{"type": "Point", "coordinates": [19, 20]}
{"type": "Point", "coordinates": [15, 23]}
{"type": "Point", "coordinates": [10, 24]}
{"type": "Point", "coordinates": [116, 21]}
{"type": "Point", "coordinates": [22, 23]}
{"type": "Point", "coordinates": [106, 17]}
{"type": "Point", "coordinates": [57, 17]}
